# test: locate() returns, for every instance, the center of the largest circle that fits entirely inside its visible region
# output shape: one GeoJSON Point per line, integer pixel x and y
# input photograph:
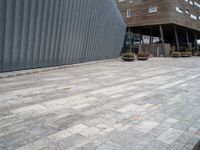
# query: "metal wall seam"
{"type": "Point", "coordinates": [2, 31]}
{"type": "Point", "coordinates": [100, 32]}
{"type": "Point", "coordinates": [54, 32]}
{"type": "Point", "coordinates": [17, 34]}
{"type": "Point", "coordinates": [38, 33]}
{"type": "Point", "coordinates": [94, 37]}
{"type": "Point", "coordinates": [87, 51]}
{"type": "Point", "coordinates": [69, 32]}
{"type": "Point", "coordinates": [59, 33]}
{"type": "Point", "coordinates": [87, 14]}
{"type": "Point", "coordinates": [91, 37]}
{"type": "Point", "coordinates": [9, 34]}
{"type": "Point", "coordinates": [101, 48]}
{"type": "Point", "coordinates": [66, 16]}
{"type": "Point", "coordinates": [32, 33]}
{"type": "Point", "coordinates": [25, 33]}
{"type": "Point", "coordinates": [85, 24]}
{"type": "Point", "coordinates": [81, 32]}
{"type": "Point", "coordinates": [49, 32]}
{"type": "Point", "coordinates": [75, 33]}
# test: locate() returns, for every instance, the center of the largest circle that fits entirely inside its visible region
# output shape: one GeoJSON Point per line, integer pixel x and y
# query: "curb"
{"type": "Point", "coordinates": [38, 70]}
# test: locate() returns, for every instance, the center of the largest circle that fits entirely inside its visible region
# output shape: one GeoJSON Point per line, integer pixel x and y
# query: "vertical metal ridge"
{"type": "Point", "coordinates": [3, 11]}
{"type": "Point", "coordinates": [38, 33]}
{"type": "Point", "coordinates": [9, 30]}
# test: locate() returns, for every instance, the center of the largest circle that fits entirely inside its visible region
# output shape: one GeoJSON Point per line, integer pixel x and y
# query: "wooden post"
{"type": "Point", "coordinates": [187, 38]}
{"type": "Point", "coordinates": [177, 41]}
{"type": "Point", "coordinates": [129, 36]}
{"type": "Point", "coordinates": [142, 38]}
{"type": "Point", "coordinates": [162, 39]}
{"type": "Point", "coordinates": [196, 41]}
{"type": "Point", "coordinates": [133, 41]}
{"type": "Point", "coordinates": [141, 42]}
{"type": "Point", "coordinates": [150, 40]}
{"type": "Point", "coordinates": [195, 38]}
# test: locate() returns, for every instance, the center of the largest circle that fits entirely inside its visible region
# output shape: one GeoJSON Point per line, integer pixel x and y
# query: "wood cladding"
{"type": "Point", "coordinates": [166, 13]}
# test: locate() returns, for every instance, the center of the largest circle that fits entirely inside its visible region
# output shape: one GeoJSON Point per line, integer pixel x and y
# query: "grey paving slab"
{"type": "Point", "coordinates": [156, 145]}
{"type": "Point", "coordinates": [170, 136]}
{"type": "Point", "coordinates": [141, 105]}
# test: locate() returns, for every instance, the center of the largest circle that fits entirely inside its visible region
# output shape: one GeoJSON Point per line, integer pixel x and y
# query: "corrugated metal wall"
{"type": "Point", "coordinates": [41, 33]}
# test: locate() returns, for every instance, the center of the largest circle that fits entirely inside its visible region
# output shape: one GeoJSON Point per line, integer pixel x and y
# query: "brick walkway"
{"type": "Point", "coordinates": [143, 105]}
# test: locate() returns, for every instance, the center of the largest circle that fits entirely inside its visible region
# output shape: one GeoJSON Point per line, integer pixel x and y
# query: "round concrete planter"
{"type": "Point", "coordinates": [143, 56]}
{"type": "Point", "coordinates": [176, 54]}
{"type": "Point", "coordinates": [186, 54]}
{"type": "Point", "coordinates": [128, 58]}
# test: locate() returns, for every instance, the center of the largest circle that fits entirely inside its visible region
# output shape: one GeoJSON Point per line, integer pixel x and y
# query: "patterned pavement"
{"type": "Point", "coordinates": [113, 105]}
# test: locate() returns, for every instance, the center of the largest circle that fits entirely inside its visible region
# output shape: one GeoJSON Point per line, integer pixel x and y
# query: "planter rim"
{"type": "Point", "coordinates": [128, 58]}
{"type": "Point", "coordinates": [142, 58]}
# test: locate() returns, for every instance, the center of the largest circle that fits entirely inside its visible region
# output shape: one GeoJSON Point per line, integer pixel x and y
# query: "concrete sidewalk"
{"type": "Point", "coordinates": [142, 105]}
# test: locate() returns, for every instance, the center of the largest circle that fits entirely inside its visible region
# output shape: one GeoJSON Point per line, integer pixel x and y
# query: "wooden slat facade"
{"type": "Point", "coordinates": [166, 13]}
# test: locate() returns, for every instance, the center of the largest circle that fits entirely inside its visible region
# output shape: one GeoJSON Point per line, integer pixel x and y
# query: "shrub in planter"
{"type": "Point", "coordinates": [186, 54]}
{"type": "Point", "coordinates": [176, 54]}
{"type": "Point", "coordinates": [188, 50]}
{"type": "Point", "coordinates": [129, 56]}
{"type": "Point", "coordinates": [143, 56]}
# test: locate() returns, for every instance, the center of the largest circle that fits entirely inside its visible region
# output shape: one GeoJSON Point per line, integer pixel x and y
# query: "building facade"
{"type": "Point", "coordinates": [43, 33]}
{"type": "Point", "coordinates": [174, 21]}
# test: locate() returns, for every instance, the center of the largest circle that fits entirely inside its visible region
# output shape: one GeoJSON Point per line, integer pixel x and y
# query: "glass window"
{"type": "Point", "coordinates": [179, 10]}
{"type": "Point", "coordinates": [131, 1]}
{"type": "Point", "coordinates": [153, 9]}
{"type": "Point", "coordinates": [191, 3]}
{"type": "Point", "coordinates": [128, 13]}
{"type": "Point", "coordinates": [193, 17]}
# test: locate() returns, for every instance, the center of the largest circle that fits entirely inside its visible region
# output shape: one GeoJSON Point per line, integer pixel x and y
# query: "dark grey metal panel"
{"type": "Point", "coordinates": [32, 33]}
{"type": "Point", "coordinates": [38, 33]}
{"type": "Point", "coordinates": [42, 33]}
{"type": "Point", "coordinates": [2, 31]}
{"type": "Point", "coordinates": [9, 30]}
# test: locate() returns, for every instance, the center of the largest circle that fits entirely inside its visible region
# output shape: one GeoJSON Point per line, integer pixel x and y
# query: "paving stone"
{"type": "Point", "coordinates": [185, 148]}
{"type": "Point", "coordinates": [90, 131]}
{"type": "Point", "coordinates": [109, 145]}
{"type": "Point", "coordinates": [35, 145]}
{"type": "Point", "coordinates": [77, 128]}
{"type": "Point", "coordinates": [72, 141]}
{"type": "Point", "coordinates": [193, 141]}
{"type": "Point", "coordinates": [132, 137]}
{"type": "Point", "coordinates": [156, 145]}
{"type": "Point", "coordinates": [132, 107]}
{"type": "Point", "coordinates": [59, 135]}
{"type": "Point", "coordinates": [170, 136]}
{"type": "Point", "coordinates": [182, 125]}
{"type": "Point", "coordinates": [146, 126]}
{"type": "Point", "coordinates": [183, 139]}
{"type": "Point", "coordinates": [131, 147]}
{"type": "Point", "coordinates": [81, 106]}
{"type": "Point", "coordinates": [171, 120]}
{"type": "Point", "coordinates": [176, 146]}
